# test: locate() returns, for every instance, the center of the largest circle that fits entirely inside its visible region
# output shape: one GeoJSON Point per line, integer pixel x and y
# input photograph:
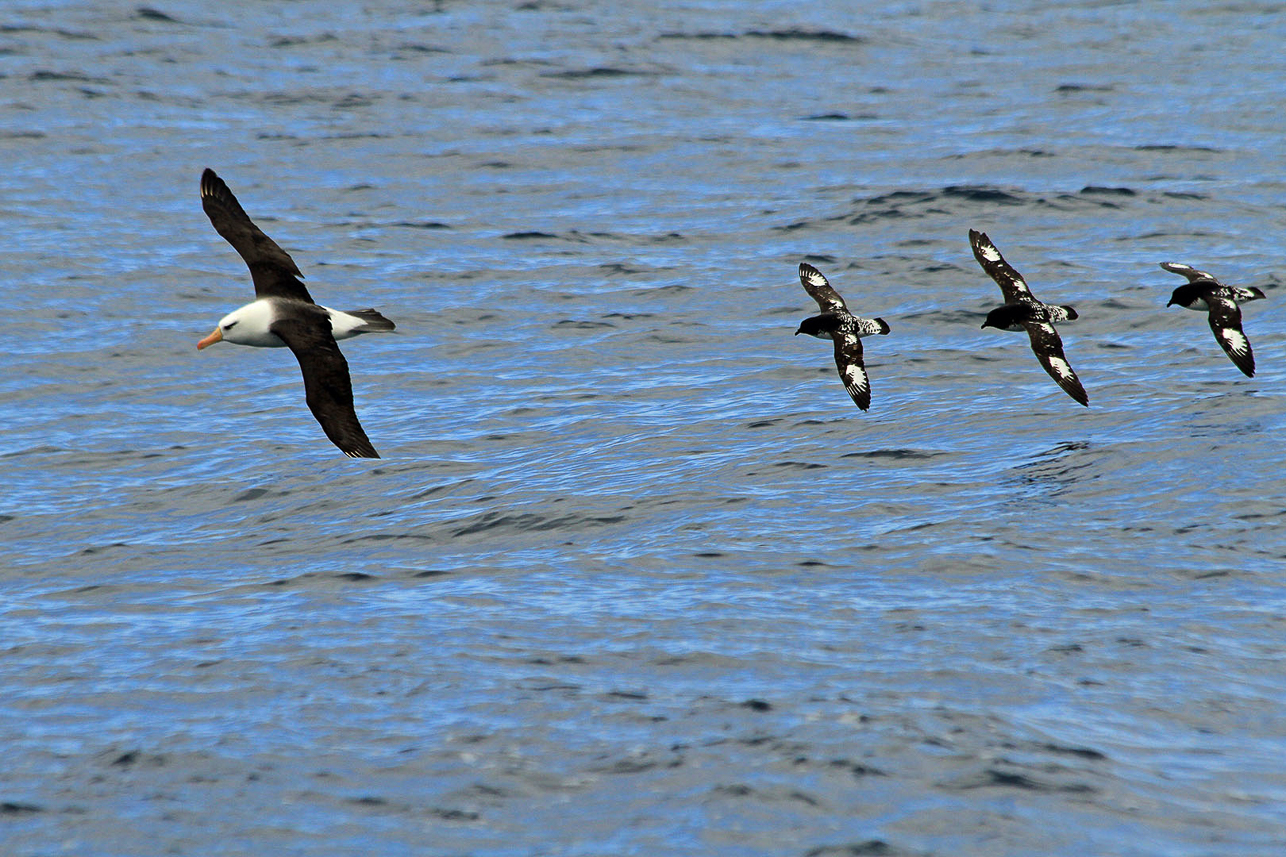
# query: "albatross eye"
{"type": "Point", "coordinates": [230, 325]}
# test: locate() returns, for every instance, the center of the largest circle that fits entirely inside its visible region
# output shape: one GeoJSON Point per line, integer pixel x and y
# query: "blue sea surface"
{"type": "Point", "coordinates": [634, 576]}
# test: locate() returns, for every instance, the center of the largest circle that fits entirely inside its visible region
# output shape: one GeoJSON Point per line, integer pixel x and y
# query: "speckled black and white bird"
{"type": "Point", "coordinates": [284, 314]}
{"type": "Point", "coordinates": [843, 328]}
{"type": "Point", "coordinates": [1204, 293]}
{"type": "Point", "coordinates": [1022, 311]}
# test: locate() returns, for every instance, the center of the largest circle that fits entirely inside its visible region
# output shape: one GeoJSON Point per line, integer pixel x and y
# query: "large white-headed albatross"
{"type": "Point", "coordinates": [284, 314]}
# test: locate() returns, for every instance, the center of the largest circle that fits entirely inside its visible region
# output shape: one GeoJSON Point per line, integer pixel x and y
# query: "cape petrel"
{"type": "Point", "coordinates": [843, 328]}
{"type": "Point", "coordinates": [1022, 311]}
{"type": "Point", "coordinates": [1204, 293]}
{"type": "Point", "coordinates": [284, 314]}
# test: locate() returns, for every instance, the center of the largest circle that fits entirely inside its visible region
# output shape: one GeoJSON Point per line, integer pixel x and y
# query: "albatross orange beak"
{"type": "Point", "coordinates": [217, 336]}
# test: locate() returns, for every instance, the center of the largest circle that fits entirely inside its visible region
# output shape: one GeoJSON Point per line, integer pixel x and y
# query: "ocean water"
{"type": "Point", "coordinates": [634, 576]}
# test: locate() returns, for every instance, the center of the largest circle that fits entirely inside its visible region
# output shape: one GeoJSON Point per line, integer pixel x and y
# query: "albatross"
{"type": "Point", "coordinates": [283, 314]}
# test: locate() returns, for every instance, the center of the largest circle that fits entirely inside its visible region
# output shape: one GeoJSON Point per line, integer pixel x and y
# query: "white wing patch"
{"type": "Point", "coordinates": [1061, 366]}
{"type": "Point", "coordinates": [815, 278]}
{"type": "Point", "coordinates": [1234, 340]}
{"type": "Point", "coordinates": [989, 252]}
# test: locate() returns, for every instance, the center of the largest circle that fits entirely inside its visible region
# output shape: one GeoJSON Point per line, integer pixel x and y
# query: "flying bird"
{"type": "Point", "coordinates": [844, 329]}
{"type": "Point", "coordinates": [284, 314]}
{"type": "Point", "coordinates": [1204, 293]}
{"type": "Point", "coordinates": [1022, 311]}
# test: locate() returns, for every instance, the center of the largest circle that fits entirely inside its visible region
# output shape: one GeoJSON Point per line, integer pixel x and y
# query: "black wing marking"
{"type": "Point", "coordinates": [326, 383]}
{"type": "Point", "coordinates": [1012, 285]}
{"type": "Point", "coordinates": [1048, 347]}
{"type": "Point", "coordinates": [274, 273]}
{"type": "Point", "coordinates": [817, 286]}
{"type": "Point", "coordinates": [848, 359]}
{"type": "Point", "coordinates": [1193, 275]}
{"type": "Point", "coordinates": [1225, 321]}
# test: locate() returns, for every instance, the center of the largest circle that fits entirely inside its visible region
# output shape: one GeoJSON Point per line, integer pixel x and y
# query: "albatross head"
{"type": "Point", "coordinates": [245, 326]}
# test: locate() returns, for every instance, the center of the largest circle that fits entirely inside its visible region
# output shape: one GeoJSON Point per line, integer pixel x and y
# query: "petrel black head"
{"type": "Point", "coordinates": [1008, 316]}
{"type": "Point", "coordinates": [820, 326]}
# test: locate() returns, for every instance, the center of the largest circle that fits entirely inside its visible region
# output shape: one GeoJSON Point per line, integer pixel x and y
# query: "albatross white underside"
{"type": "Point", "coordinates": [252, 325]}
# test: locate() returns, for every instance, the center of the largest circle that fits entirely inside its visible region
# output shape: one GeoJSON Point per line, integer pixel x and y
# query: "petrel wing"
{"type": "Point", "coordinates": [1048, 348]}
{"type": "Point", "coordinates": [852, 371]}
{"type": "Point", "coordinates": [1012, 285]}
{"type": "Point", "coordinates": [817, 286]}
{"type": "Point", "coordinates": [1193, 275]}
{"type": "Point", "coordinates": [1225, 321]}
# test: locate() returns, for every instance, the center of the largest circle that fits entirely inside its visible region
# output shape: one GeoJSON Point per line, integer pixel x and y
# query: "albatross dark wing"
{"type": "Point", "coordinates": [274, 273]}
{"type": "Point", "coordinates": [1048, 347]}
{"type": "Point", "coordinates": [1012, 285]}
{"type": "Point", "coordinates": [1225, 321]}
{"type": "Point", "coordinates": [852, 371]}
{"type": "Point", "coordinates": [326, 383]}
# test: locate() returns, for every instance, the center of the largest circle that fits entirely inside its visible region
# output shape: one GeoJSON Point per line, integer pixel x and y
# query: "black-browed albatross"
{"type": "Point", "coordinates": [284, 314]}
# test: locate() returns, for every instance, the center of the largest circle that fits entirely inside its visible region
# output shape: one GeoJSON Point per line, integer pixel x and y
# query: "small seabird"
{"type": "Point", "coordinates": [1204, 293]}
{"type": "Point", "coordinates": [1023, 312]}
{"type": "Point", "coordinates": [284, 314]}
{"type": "Point", "coordinates": [844, 329]}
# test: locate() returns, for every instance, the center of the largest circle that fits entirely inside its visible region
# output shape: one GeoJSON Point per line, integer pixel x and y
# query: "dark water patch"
{"type": "Point", "coordinates": [101, 548]}
{"type": "Point", "coordinates": [1001, 153]}
{"type": "Point", "coordinates": [10, 807]}
{"type": "Point", "coordinates": [981, 193]}
{"type": "Point", "coordinates": [999, 778]}
{"type": "Point", "coordinates": [857, 769]}
{"type": "Point", "coordinates": [757, 705]}
{"type": "Point", "coordinates": [800, 465]}
{"type": "Point", "coordinates": [531, 522]}
{"type": "Point", "coordinates": [1164, 147]}
{"type": "Point", "coordinates": [1101, 190]}
{"type": "Point", "coordinates": [631, 695]}
{"type": "Point", "coordinates": [354, 576]}
{"type": "Point", "coordinates": [1082, 752]}
{"type": "Point", "coordinates": [620, 268]}
{"type": "Point", "coordinates": [527, 236]}
{"type": "Point", "coordinates": [865, 848]}
{"type": "Point", "coordinates": [31, 28]}
{"type": "Point", "coordinates": [22, 135]}
{"type": "Point", "coordinates": [292, 41]}
{"type": "Point", "coordinates": [424, 224]}
{"type": "Point", "coordinates": [597, 72]}
{"type": "Point", "coordinates": [836, 117]}
{"type": "Point", "coordinates": [147, 13]}
{"type": "Point", "coordinates": [582, 325]}
{"type": "Point", "coordinates": [787, 35]}
{"type": "Point", "coordinates": [801, 35]}
{"type": "Point", "coordinates": [250, 494]}
{"type": "Point", "coordinates": [1084, 87]}
{"type": "Point", "coordinates": [78, 77]}
{"type": "Point", "coordinates": [630, 316]}
{"type": "Point", "coordinates": [384, 537]}
{"type": "Point", "coordinates": [895, 454]}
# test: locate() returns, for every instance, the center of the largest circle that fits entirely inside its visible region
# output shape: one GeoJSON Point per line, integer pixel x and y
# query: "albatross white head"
{"type": "Point", "coordinates": [246, 326]}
